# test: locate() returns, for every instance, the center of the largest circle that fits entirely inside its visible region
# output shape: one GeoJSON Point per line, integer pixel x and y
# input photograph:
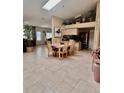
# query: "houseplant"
{"type": "Point", "coordinates": [96, 64]}
{"type": "Point", "coordinates": [28, 33]}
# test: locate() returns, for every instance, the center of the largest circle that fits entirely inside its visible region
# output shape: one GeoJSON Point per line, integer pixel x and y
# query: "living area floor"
{"type": "Point", "coordinates": [43, 74]}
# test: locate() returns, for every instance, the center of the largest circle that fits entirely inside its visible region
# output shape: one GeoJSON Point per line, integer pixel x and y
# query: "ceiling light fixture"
{"type": "Point", "coordinates": [50, 4]}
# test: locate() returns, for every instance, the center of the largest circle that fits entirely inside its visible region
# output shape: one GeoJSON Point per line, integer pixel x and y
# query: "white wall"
{"type": "Point", "coordinates": [91, 39]}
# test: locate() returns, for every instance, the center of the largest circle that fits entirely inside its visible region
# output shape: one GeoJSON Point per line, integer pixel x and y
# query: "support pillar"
{"type": "Point", "coordinates": [97, 27]}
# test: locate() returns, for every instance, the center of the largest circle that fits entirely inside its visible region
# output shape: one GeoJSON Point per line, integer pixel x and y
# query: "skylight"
{"type": "Point", "coordinates": [50, 4]}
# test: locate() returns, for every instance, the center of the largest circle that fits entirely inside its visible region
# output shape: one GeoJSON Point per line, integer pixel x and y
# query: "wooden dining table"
{"type": "Point", "coordinates": [59, 46]}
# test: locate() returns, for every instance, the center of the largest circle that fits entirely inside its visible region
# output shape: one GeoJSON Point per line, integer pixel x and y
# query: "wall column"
{"type": "Point", "coordinates": [97, 27]}
{"type": "Point", "coordinates": [56, 22]}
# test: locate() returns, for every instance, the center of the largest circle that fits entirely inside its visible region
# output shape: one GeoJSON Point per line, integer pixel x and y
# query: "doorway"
{"type": "Point", "coordinates": [84, 39]}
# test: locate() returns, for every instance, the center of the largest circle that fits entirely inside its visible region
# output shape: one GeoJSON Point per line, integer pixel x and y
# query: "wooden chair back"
{"type": "Point", "coordinates": [49, 46]}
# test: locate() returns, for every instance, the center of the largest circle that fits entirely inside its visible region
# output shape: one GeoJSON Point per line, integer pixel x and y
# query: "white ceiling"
{"type": "Point", "coordinates": [34, 14]}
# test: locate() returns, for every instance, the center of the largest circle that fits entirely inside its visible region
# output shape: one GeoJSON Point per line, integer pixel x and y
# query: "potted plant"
{"type": "Point", "coordinates": [28, 33]}
{"type": "Point", "coordinates": [96, 64]}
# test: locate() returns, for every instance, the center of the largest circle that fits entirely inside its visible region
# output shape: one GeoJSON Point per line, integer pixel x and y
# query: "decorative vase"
{"type": "Point", "coordinates": [29, 49]}
{"type": "Point", "coordinates": [96, 70]}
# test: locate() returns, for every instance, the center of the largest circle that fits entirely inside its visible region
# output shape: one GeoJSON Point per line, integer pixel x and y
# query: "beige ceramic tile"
{"type": "Point", "coordinates": [43, 74]}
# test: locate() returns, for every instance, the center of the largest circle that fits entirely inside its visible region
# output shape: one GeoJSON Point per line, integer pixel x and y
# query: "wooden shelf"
{"type": "Point", "coordinates": [80, 25]}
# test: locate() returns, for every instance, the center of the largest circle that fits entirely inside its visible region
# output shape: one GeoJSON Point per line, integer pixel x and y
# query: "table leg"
{"type": "Point", "coordinates": [59, 54]}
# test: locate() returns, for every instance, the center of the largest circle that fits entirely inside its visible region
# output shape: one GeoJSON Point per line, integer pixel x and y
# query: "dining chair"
{"type": "Point", "coordinates": [63, 51]}
{"type": "Point", "coordinates": [71, 45]}
{"type": "Point", "coordinates": [50, 50]}
{"type": "Point", "coordinates": [66, 43]}
{"type": "Point", "coordinates": [55, 51]}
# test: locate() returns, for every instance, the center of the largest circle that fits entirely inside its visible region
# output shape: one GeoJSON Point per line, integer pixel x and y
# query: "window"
{"type": "Point", "coordinates": [48, 35]}
{"type": "Point", "coordinates": [38, 36]}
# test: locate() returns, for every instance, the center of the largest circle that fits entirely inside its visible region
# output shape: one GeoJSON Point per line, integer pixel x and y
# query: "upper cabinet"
{"type": "Point", "coordinates": [72, 31]}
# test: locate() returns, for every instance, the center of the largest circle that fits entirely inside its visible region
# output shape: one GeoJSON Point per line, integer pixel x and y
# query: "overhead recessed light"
{"type": "Point", "coordinates": [50, 4]}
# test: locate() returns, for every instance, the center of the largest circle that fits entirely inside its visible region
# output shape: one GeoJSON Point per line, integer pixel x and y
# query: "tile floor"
{"type": "Point", "coordinates": [43, 74]}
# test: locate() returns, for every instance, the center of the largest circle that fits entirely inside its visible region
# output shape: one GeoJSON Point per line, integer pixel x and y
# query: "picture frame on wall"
{"type": "Point", "coordinates": [57, 32]}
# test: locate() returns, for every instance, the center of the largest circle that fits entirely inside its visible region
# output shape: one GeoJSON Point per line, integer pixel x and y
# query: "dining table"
{"type": "Point", "coordinates": [59, 46]}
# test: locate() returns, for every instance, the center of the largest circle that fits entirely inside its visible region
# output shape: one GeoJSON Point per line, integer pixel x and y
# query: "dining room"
{"type": "Point", "coordinates": [63, 62]}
